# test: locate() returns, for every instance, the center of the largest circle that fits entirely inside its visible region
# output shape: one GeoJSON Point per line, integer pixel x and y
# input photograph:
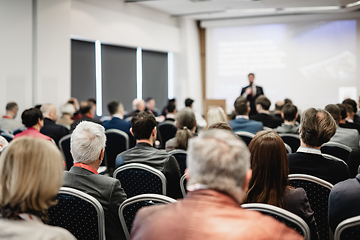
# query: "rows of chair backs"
{"type": "Point", "coordinates": [79, 213]}
{"type": "Point", "coordinates": [64, 145]}
{"type": "Point", "coordinates": [337, 150]}
{"type": "Point", "coordinates": [292, 140]}
{"type": "Point", "coordinates": [180, 156]}
{"type": "Point", "coordinates": [349, 229]}
{"type": "Point", "coordinates": [291, 220]}
{"type": "Point", "coordinates": [117, 141]}
{"type": "Point", "coordinates": [245, 136]}
{"type": "Point", "coordinates": [131, 206]}
{"type": "Point", "coordinates": [139, 179]}
{"type": "Point", "coordinates": [166, 130]}
{"type": "Point", "coordinates": [317, 191]}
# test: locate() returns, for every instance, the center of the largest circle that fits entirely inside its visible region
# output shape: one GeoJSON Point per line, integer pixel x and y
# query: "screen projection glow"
{"type": "Point", "coordinates": [310, 63]}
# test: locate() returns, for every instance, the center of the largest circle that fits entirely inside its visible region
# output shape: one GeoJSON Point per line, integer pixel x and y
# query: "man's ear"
{"type": "Point", "coordinates": [154, 131]}
{"type": "Point", "coordinates": [282, 115]}
{"type": "Point", "coordinates": [102, 154]}
{"type": "Point", "coordinates": [176, 124]}
{"type": "Point", "coordinates": [131, 131]}
{"type": "Point", "coordinates": [247, 179]}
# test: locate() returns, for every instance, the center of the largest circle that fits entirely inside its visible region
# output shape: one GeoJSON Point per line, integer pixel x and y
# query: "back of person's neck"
{"type": "Point", "coordinates": [148, 141]}
{"type": "Point", "coordinates": [342, 121]}
{"type": "Point", "coordinates": [264, 111]}
{"type": "Point", "coordinates": [302, 144]}
{"type": "Point", "coordinates": [118, 115]}
{"type": "Point", "coordinates": [9, 115]}
{"type": "Point", "coordinates": [289, 122]}
{"type": "Point", "coordinates": [37, 127]}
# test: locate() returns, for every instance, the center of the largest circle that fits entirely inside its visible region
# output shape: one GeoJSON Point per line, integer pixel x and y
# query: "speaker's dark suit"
{"type": "Point", "coordinates": [106, 190]}
{"type": "Point", "coordinates": [251, 99]}
{"type": "Point", "coordinates": [120, 124]}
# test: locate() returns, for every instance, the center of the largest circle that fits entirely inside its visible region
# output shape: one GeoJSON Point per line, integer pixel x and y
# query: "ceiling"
{"type": "Point", "coordinates": [221, 9]}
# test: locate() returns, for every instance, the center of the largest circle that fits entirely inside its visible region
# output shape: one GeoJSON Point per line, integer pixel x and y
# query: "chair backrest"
{"type": "Point", "coordinates": [64, 145]}
{"type": "Point", "coordinates": [317, 191]}
{"type": "Point", "coordinates": [117, 141]}
{"type": "Point", "coordinates": [137, 178]}
{"type": "Point", "coordinates": [180, 156]}
{"type": "Point", "coordinates": [292, 140]}
{"type": "Point", "coordinates": [19, 130]}
{"type": "Point", "coordinates": [337, 150]}
{"type": "Point", "coordinates": [288, 148]}
{"type": "Point", "coordinates": [79, 213]}
{"type": "Point", "coordinates": [289, 219]}
{"type": "Point", "coordinates": [245, 136]}
{"type": "Point", "coordinates": [7, 136]}
{"type": "Point", "coordinates": [166, 130]}
{"type": "Point", "coordinates": [183, 185]}
{"type": "Point", "coordinates": [327, 156]}
{"type": "Point", "coordinates": [348, 229]}
{"type": "Point", "coordinates": [131, 206]}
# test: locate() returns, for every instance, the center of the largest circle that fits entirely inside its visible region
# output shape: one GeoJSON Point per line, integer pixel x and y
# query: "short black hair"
{"type": "Point", "coordinates": [148, 99]}
{"type": "Point", "coordinates": [10, 106]}
{"type": "Point", "coordinates": [287, 100]}
{"type": "Point", "coordinates": [241, 106]}
{"type": "Point", "coordinates": [289, 111]}
{"type": "Point", "coordinates": [93, 100]}
{"type": "Point", "coordinates": [352, 103]}
{"type": "Point", "coordinates": [343, 112]}
{"type": "Point", "coordinates": [31, 116]}
{"type": "Point", "coordinates": [188, 102]}
{"type": "Point", "coordinates": [113, 107]}
{"type": "Point", "coordinates": [264, 102]}
{"type": "Point", "coordinates": [86, 107]}
{"type": "Point", "coordinates": [143, 124]}
{"type": "Point", "coordinates": [171, 107]}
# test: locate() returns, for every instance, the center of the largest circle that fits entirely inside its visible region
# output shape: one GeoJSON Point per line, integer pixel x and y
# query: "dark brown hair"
{"type": "Point", "coordinates": [220, 125]}
{"type": "Point", "coordinates": [182, 138]}
{"type": "Point", "coordinates": [264, 102]}
{"type": "Point", "coordinates": [270, 169]}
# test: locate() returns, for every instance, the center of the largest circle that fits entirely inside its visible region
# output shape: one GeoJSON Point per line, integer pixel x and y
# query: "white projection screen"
{"type": "Point", "coordinates": [312, 63]}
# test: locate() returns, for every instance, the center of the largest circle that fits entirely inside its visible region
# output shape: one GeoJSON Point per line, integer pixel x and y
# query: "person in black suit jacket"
{"type": "Point", "coordinates": [251, 92]}
{"type": "Point", "coordinates": [316, 128]}
{"type": "Point", "coordinates": [88, 148]}
{"type": "Point", "coordinates": [87, 111]}
{"type": "Point", "coordinates": [50, 128]}
{"type": "Point", "coordinates": [262, 107]}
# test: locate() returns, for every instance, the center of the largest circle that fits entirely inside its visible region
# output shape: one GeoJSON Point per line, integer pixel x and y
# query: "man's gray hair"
{"type": "Point", "coordinates": [87, 141]}
{"type": "Point", "coordinates": [220, 160]}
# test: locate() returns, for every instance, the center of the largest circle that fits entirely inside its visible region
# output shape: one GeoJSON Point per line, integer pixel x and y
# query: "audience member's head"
{"type": "Point", "coordinates": [11, 109]}
{"type": "Point", "coordinates": [31, 117]}
{"type": "Point", "coordinates": [262, 102]}
{"type": "Point", "coordinates": [221, 125]}
{"type": "Point", "coordinates": [182, 137]}
{"type": "Point", "coordinates": [49, 111]}
{"type": "Point", "coordinates": [186, 118]}
{"type": "Point", "coordinates": [87, 108]}
{"type": "Point", "coordinates": [317, 126]}
{"type": "Point", "coordinates": [171, 108]}
{"type": "Point", "coordinates": [242, 106]}
{"type": "Point", "coordinates": [74, 102]}
{"type": "Point", "coordinates": [287, 100]}
{"type": "Point", "coordinates": [150, 103]}
{"type": "Point", "coordinates": [270, 169]}
{"type": "Point", "coordinates": [289, 112]}
{"type": "Point", "coordinates": [335, 112]}
{"type": "Point", "coordinates": [3, 143]}
{"type": "Point", "coordinates": [115, 107]}
{"type": "Point", "coordinates": [189, 102]}
{"type": "Point", "coordinates": [352, 103]}
{"type": "Point", "coordinates": [87, 143]}
{"type": "Point", "coordinates": [349, 111]}
{"type": "Point", "coordinates": [67, 109]}
{"type": "Point", "coordinates": [343, 112]}
{"type": "Point", "coordinates": [221, 161]}
{"type": "Point", "coordinates": [251, 78]}
{"type": "Point", "coordinates": [143, 126]}
{"type": "Point", "coordinates": [215, 115]}
{"type": "Point", "coordinates": [31, 171]}
{"type": "Point", "coordinates": [93, 100]}
{"type": "Point", "coordinates": [279, 106]}
{"type": "Point", "coordinates": [140, 105]}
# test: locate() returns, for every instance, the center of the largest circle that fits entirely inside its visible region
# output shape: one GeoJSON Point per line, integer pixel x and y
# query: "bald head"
{"type": "Point", "coordinates": [49, 111]}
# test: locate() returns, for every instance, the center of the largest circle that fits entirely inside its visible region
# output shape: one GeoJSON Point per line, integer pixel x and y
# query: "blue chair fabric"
{"type": "Point", "coordinates": [180, 156]}
{"type": "Point", "coordinates": [337, 150]}
{"type": "Point", "coordinates": [166, 130]}
{"type": "Point", "coordinates": [292, 140]}
{"type": "Point", "coordinates": [117, 141]}
{"type": "Point", "coordinates": [349, 229]}
{"type": "Point", "coordinates": [245, 136]}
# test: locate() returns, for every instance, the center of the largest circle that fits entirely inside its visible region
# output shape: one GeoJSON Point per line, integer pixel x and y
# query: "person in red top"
{"type": "Point", "coordinates": [33, 119]}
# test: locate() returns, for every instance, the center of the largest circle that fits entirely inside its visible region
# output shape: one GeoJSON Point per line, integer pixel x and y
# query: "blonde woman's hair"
{"type": "Point", "coordinates": [216, 115]}
{"type": "Point", "coordinates": [31, 172]}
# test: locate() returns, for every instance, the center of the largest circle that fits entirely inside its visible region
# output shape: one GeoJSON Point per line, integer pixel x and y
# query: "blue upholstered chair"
{"type": "Point", "coordinates": [131, 206]}
{"type": "Point", "coordinates": [245, 136]}
{"type": "Point", "coordinates": [64, 145]}
{"type": "Point", "coordinates": [137, 178]}
{"type": "Point", "coordinates": [166, 130]}
{"type": "Point", "coordinates": [180, 156]}
{"type": "Point", "coordinates": [117, 141]}
{"type": "Point", "coordinates": [289, 219]}
{"type": "Point", "coordinates": [337, 150]}
{"type": "Point", "coordinates": [292, 140]}
{"type": "Point", "coordinates": [317, 191]}
{"type": "Point", "coordinates": [7, 136]}
{"type": "Point", "coordinates": [349, 229]}
{"type": "Point", "coordinates": [79, 213]}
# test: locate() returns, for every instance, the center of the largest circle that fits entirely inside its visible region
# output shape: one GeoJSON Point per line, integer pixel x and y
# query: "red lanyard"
{"type": "Point", "coordinates": [87, 167]}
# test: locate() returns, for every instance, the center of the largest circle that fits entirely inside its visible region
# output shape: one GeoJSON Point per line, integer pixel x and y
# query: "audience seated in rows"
{"type": "Point", "coordinates": [31, 171]}
{"type": "Point", "coordinates": [151, 106]}
{"type": "Point", "coordinates": [170, 112]}
{"type": "Point", "coordinates": [316, 128]}
{"type": "Point", "coordinates": [352, 116]}
{"type": "Point", "coordinates": [33, 119]}
{"type": "Point", "coordinates": [289, 114]}
{"type": "Point", "coordinates": [218, 176]}
{"type": "Point", "coordinates": [279, 109]}
{"type": "Point", "coordinates": [138, 106]}
{"type": "Point", "coordinates": [116, 109]}
{"type": "Point", "coordinates": [50, 128]}
{"type": "Point", "coordinates": [143, 127]}
{"type": "Point", "coordinates": [200, 121]}
{"type": "Point", "coordinates": [185, 120]}
{"type": "Point", "coordinates": [262, 106]}
{"type": "Point", "coordinates": [216, 115]}
{"type": "Point", "coordinates": [87, 111]}
{"type": "Point", "coordinates": [67, 111]}
{"type": "Point", "coordinates": [242, 122]}
{"type": "Point", "coordinates": [343, 116]}
{"type": "Point", "coordinates": [8, 122]}
{"type": "Point", "coordinates": [270, 184]}
{"type": "Point", "coordinates": [87, 149]}
{"type": "Point", "coordinates": [348, 137]}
